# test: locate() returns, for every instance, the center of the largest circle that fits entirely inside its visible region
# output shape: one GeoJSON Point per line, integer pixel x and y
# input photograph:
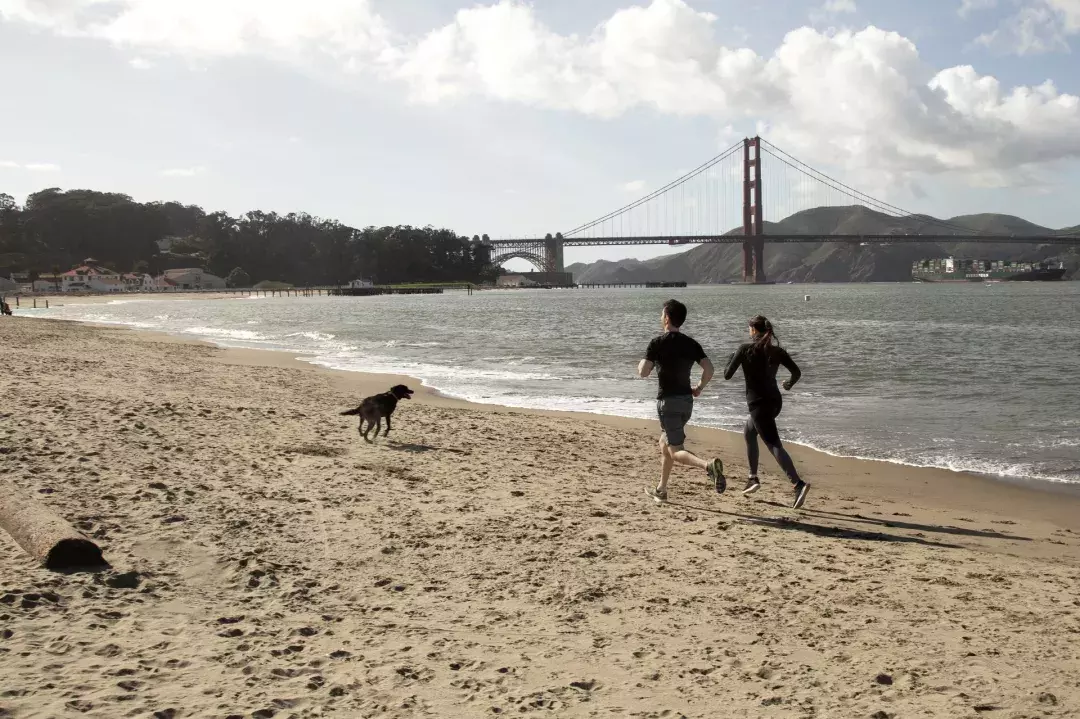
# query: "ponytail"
{"type": "Point", "coordinates": [766, 336]}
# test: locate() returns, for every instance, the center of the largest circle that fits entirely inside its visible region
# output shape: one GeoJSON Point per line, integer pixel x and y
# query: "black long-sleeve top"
{"type": "Point", "coordinates": [759, 370]}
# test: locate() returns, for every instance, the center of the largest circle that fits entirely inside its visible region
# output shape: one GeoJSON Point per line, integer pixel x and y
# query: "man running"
{"type": "Point", "coordinates": [673, 354]}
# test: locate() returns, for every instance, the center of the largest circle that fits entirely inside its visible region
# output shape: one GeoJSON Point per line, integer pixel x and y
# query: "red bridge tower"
{"type": "Point", "coordinates": [753, 226]}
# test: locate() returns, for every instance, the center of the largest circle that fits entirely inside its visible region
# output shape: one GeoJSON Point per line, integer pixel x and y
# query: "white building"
{"type": "Point", "coordinates": [190, 278]}
{"type": "Point", "coordinates": [47, 283]}
{"type": "Point", "coordinates": [135, 282]}
{"type": "Point", "coordinates": [91, 277]}
{"type": "Point", "coordinates": [514, 281]}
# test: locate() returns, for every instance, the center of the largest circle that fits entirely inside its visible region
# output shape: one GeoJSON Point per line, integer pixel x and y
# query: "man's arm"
{"type": "Point", "coordinates": [706, 375]}
{"type": "Point", "coordinates": [645, 366]}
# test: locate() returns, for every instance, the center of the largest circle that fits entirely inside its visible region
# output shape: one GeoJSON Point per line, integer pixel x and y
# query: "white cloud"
{"type": "Point", "coordinates": [633, 186]}
{"type": "Point", "coordinates": [1069, 11]}
{"type": "Point", "coordinates": [341, 28]}
{"type": "Point", "coordinates": [968, 7]}
{"type": "Point", "coordinates": [861, 99]}
{"type": "Point", "coordinates": [1039, 26]}
{"type": "Point", "coordinates": [865, 100]}
{"type": "Point", "coordinates": [183, 171]}
{"type": "Point", "coordinates": [30, 166]}
{"type": "Point", "coordinates": [140, 63]}
{"type": "Point", "coordinates": [839, 6]}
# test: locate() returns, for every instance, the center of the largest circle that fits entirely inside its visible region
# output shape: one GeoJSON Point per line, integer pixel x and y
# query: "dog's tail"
{"type": "Point", "coordinates": [351, 412]}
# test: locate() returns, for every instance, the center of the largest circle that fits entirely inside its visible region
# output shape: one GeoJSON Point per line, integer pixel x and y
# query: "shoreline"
{"type": "Point", "coordinates": [953, 490]}
{"type": "Point", "coordinates": [1038, 484]}
{"type": "Point", "coordinates": [486, 560]}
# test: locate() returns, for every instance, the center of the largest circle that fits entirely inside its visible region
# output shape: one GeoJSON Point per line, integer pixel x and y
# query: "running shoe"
{"type": "Point", "coordinates": [801, 489]}
{"type": "Point", "coordinates": [716, 473]}
{"type": "Point", "coordinates": [658, 495]}
{"type": "Point", "coordinates": [752, 485]}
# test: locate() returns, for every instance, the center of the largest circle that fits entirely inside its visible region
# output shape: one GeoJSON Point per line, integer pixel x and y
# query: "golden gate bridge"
{"type": "Point", "coordinates": [723, 202]}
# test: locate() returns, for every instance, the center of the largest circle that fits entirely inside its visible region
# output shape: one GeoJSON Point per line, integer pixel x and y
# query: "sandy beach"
{"type": "Point", "coordinates": [483, 561]}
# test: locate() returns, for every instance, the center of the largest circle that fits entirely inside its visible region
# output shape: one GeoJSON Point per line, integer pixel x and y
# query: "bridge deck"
{"type": "Point", "coordinates": [854, 239]}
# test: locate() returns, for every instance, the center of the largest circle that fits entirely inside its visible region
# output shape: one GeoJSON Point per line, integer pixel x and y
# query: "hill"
{"type": "Point", "coordinates": [999, 224]}
{"type": "Point", "coordinates": [832, 261]}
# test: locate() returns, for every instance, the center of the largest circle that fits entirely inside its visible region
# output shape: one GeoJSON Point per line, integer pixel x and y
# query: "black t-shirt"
{"type": "Point", "coordinates": [674, 354]}
{"type": "Point", "coordinates": [759, 369]}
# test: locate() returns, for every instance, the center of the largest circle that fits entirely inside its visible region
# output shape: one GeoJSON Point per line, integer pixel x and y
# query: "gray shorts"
{"type": "Point", "coordinates": [674, 414]}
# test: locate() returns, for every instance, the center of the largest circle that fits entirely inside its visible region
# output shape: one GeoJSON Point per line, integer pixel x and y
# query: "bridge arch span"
{"type": "Point", "coordinates": [531, 257]}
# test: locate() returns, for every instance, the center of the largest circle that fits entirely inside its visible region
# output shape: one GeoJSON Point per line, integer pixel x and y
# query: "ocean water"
{"type": "Point", "coordinates": [977, 378]}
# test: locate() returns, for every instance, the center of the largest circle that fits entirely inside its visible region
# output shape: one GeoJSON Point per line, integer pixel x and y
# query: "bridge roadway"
{"type": "Point", "coordinates": [854, 239]}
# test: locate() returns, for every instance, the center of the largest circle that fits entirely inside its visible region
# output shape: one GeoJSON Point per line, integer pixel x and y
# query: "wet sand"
{"type": "Point", "coordinates": [487, 561]}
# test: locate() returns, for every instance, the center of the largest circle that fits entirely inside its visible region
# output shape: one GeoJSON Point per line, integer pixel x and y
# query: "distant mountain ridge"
{"type": "Point", "coordinates": [835, 261]}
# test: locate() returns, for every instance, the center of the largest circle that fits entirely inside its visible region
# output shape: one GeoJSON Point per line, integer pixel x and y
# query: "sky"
{"type": "Point", "coordinates": [516, 119]}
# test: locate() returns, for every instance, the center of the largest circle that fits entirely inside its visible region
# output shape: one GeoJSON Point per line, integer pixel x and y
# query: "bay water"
{"type": "Point", "coordinates": [970, 377]}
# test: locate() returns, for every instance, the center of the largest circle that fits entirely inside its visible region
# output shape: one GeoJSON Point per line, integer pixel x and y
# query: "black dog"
{"type": "Point", "coordinates": [374, 408]}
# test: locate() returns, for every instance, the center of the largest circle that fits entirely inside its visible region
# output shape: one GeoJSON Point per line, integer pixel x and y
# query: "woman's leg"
{"type": "Point", "coordinates": [765, 422]}
{"type": "Point", "coordinates": [750, 434]}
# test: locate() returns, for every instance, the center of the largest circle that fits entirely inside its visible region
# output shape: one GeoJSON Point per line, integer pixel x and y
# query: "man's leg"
{"type": "Point", "coordinates": [687, 458]}
{"type": "Point", "coordinates": [674, 414]}
{"type": "Point", "coordinates": [675, 421]}
{"type": "Point", "coordinates": [714, 468]}
{"type": "Point", "coordinates": [666, 463]}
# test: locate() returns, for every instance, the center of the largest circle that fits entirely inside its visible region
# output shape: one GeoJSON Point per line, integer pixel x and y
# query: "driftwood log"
{"type": "Point", "coordinates": [45, 536]}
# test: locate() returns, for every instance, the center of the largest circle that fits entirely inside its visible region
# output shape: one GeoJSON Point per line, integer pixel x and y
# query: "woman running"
{"type": "Point", "coordinates": [760, 358]}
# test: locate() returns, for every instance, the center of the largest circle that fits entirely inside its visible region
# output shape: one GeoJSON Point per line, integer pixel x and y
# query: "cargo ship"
{"type": "Point", "coordinates": [949, 269]}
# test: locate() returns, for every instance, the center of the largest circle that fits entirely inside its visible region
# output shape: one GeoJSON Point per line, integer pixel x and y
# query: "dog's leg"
{"type": "Point", "coordinates": [378, 426]}
{"type": "Point", "coordinates": [364, 432]}
{"type": "Point", "coordinates": [387, 426]}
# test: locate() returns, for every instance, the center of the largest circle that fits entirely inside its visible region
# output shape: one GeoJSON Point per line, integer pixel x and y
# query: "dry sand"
{"type": "Point", "coordinates": [488, 562]}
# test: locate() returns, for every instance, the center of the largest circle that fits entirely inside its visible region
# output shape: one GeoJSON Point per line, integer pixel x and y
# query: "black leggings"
{"type": "Point", "coordinates": [762, 422]}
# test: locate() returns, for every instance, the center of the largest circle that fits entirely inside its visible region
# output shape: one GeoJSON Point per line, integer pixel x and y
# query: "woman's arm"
{"type": "Point", "coordinates": [733, 363]}
{"type": "Point", "coordinates": [796, 373]}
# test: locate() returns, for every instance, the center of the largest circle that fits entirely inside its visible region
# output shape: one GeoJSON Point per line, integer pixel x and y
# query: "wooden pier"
{"type": "Point", "coordinates": [639, 285]}
{"type": "Point", "coordinates": [595, 286]}
{"type": "Point", "coordinates": [370, 291]}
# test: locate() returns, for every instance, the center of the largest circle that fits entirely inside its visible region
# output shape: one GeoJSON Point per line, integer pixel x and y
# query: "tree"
{"type": "Point", "coordinates": [61, 228]}
{"type": "Point", "coordinates": [238, 278]}
{"type": "Point", "coordinates": [9, 224]}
